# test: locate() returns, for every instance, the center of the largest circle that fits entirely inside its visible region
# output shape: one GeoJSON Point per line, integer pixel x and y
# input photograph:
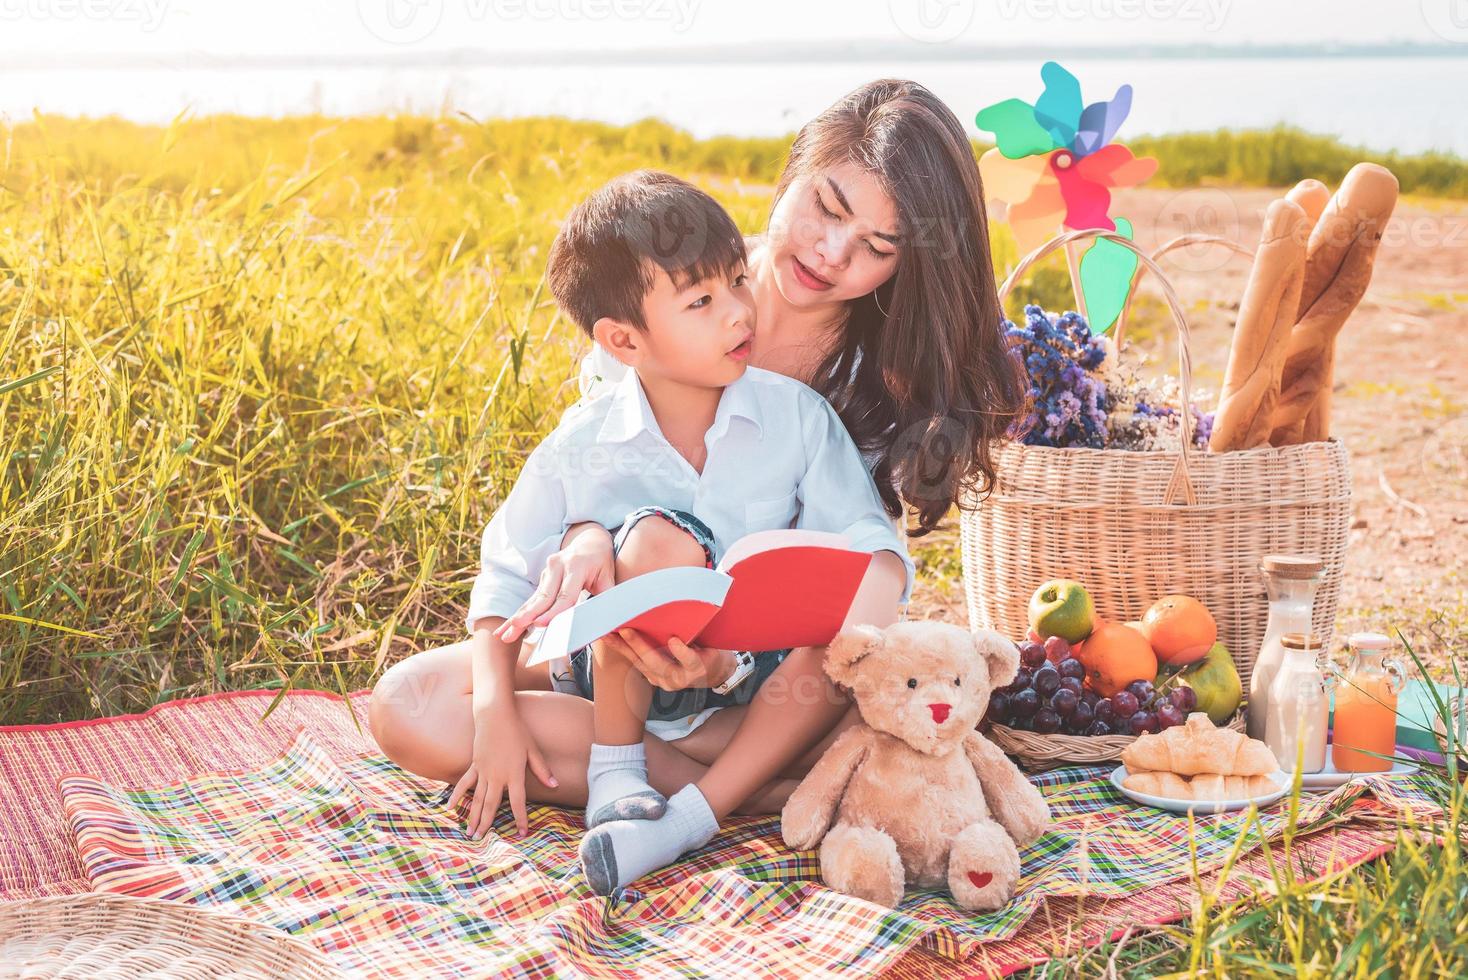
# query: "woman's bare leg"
{"type": "Point", "coordinates": [794, 711]}
{"type": "Point", "coordinates": [420, 715]}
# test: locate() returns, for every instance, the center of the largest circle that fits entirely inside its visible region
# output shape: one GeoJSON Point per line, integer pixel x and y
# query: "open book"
{"type": "Point", "coordinates": [774, 589]}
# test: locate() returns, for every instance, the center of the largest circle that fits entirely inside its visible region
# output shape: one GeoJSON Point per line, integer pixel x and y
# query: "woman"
{"type": "Point", "coordinates": [874, 285]}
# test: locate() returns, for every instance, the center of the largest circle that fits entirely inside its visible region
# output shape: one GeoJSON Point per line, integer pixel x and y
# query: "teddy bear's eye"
{"type": "Point", "coordinates": [958, 682]}
{"type": "Point", "coordinates": [912, 682]}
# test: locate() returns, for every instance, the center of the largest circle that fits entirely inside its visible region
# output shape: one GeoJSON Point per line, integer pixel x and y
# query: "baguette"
{"type": "Point", "coordinates": [1311, 195]}
{"type": "Point", "coordinates": [1266, 316]}
{"type": "Point", "coordinates": [1338, 265]}
{"type": "Point", "coordinates": [1199, 747]}
{"type": "Point", "coordinates": [1204, 786]}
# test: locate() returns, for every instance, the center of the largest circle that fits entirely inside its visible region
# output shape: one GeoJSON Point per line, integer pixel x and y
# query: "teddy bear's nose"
{"type": "Point", "coordinates": [940, 712]}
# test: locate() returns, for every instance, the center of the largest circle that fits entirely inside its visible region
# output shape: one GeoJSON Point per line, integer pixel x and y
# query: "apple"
{"type": "Point", "coordinates": [1062, 607]}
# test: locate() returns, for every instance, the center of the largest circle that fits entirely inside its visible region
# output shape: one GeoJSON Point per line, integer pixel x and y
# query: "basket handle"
{"type": "Point", "coordinates": [1181, 482]}
{"type": "Point", "coordinates": [1181, 241]}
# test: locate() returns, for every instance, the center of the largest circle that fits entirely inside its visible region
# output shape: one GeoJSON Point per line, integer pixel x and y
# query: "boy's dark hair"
{"type": "Point", "coordinates": [602, 261]}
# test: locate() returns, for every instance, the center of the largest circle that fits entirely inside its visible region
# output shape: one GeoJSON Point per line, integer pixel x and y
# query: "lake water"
{"type": "Point", "coordinates": [1381, 103]}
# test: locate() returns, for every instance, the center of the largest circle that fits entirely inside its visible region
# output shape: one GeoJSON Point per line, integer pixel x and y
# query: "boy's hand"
{"type": "Point", "coordinates": [586, 563]}
{"type": "Point", "coordinates": [679, 667]}
{"type": "Point", "coordinates": [503, 749]}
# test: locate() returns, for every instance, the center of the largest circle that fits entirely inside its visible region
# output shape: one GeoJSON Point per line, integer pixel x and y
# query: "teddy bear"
{"type": "Point", "coordinates": [917, 795]}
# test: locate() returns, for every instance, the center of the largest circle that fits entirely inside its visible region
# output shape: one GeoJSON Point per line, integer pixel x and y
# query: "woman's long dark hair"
{"type": "Point", "coordinates": [935, 386]}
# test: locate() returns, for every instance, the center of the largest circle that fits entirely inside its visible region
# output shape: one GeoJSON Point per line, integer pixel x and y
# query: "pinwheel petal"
{"type": "Point", "coordinates": [1036, 219]}
{"type": "Point", "coordinates": [1011, 181]}
{"type": "Point", "coordinates": [1107, 270]}
{"type": "Point", "coordinates": [1059, 109]}
{"type": "Point", "coordinates": [1086, 202]}
{"type": "Point", "coordinates": [1114, 166]}
{"type": "Point", "coordinates": [1101, 120]}
{"type": "Point", "coordinates": [1016, 133]}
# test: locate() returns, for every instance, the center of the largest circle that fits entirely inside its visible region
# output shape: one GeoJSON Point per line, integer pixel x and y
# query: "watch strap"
{"type": "Point", "coordinates": [743, 667]}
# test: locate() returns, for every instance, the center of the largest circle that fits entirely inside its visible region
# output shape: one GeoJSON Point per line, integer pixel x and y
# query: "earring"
{"type": "Point", "coordinates": [885, 314]}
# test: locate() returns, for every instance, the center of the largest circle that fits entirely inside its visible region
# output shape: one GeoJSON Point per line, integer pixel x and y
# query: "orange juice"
{"type": "Point", "coordinates": [1366, 707]}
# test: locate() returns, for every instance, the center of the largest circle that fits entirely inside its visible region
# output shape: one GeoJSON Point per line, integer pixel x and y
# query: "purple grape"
{"type": "Point", "coordinates": [1082, 716]}
{"type": "Point", "coordinates": [1125, 703]}
{"type": "Point", "coordinates": [1143, 691]}
{"type": "Point", "coordinates": [998, 707]}
{"type": "Point", "coordinates": [1023, 704]}
{"type": "Point", "coordinates": [1185, 698]}
{"type": "Point", "coordinates": [1105, 711]}
{"type": "Point", "coordinates": [1047, 722]}
{"type": "Point", "coordinates": [1022, 680]}
{"type": "Point", "coordinates": [1071, 667]}
{"type": "Point", "coordinates": [1047, 681]}
{"type": "Point", "coordinates": [1099, 728]}
{"type": "Point", "coordinates": [1064, 702]}
{"type": "Point", "coordinates": [1168, 715]}
{"type": "Point", "coordinates": [1074, 685]}
{"type": "Point", "coordinates": [1031, 654]}
{"type": "Point", "coordinates": [1057, 648]}
{"type": "Point", "coordinates": [1090, 697]}
{"type": "Point", "coordinates": [1143, 722]}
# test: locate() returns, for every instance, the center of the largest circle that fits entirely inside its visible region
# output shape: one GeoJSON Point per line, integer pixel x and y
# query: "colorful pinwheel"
{"type": "Point", "coordinates": [1054, 166]}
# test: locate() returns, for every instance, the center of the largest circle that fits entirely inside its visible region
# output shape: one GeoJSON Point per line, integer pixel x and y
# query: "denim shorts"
{"type": "Point", "coordinates": [672, 705]}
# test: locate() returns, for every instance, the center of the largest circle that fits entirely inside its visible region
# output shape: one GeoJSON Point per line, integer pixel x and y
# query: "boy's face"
{"type": "Point", "coordinates": [699, 335]}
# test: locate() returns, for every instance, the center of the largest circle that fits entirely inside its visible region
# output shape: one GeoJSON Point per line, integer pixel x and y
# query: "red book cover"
{"type": "Point", "coordinates": [773, 590]}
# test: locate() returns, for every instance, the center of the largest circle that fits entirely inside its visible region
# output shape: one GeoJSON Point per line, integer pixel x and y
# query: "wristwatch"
{"type": "Point", "coordinates": [743, 667]}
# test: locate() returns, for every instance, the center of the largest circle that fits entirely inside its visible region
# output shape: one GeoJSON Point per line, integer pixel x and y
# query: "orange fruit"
{"type": "Point", "coordinates": [1180, 629]}
{"type": "Point", "coordinates": [1115, 655]}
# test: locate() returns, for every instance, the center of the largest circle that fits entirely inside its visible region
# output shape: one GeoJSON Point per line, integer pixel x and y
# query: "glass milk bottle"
{"type": "Point", "coordinates": [1291, 581]}
{"type": "Point", "coordinates": [1366, 706]}
{"type": "Point", "coordinates": [1299, 705]}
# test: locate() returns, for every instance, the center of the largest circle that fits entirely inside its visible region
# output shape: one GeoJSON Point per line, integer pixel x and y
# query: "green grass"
{"type": "Point", "coordinates": [264, 382]}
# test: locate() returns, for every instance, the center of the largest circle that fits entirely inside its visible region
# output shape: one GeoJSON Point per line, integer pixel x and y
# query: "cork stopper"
{"type": "Point", "coordinates": [1292, 566]}
{"type": "Point", "coordinates": [1369, 641]}
{"type": "Point", "coordinates": [1300, 641]}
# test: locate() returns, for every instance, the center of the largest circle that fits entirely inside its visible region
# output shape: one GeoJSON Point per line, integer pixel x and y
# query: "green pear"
{"type": "Point", "coordinates": [1216, 683]}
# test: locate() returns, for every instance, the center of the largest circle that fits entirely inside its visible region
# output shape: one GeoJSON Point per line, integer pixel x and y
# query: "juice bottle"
{"type": "Point", "coordinates": [1366, 706]}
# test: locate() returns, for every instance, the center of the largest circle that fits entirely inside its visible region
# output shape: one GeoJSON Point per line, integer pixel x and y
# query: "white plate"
{"type": "Point", "coordinates": [1330, 777]}
{"type": "Point", "coordinates": [1281, 780]}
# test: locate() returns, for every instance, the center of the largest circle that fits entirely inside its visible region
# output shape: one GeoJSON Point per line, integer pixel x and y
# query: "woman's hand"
{"type": "Point", "coordinates": [584, 562]}
{"type": "Point", "coordinates": [679, 667]}
{"type": "Point", "coordinates": [503, 749]}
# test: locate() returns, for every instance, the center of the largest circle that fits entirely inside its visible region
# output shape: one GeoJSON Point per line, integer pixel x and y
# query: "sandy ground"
{"type": "Point", "coordinates": [1400, 403]}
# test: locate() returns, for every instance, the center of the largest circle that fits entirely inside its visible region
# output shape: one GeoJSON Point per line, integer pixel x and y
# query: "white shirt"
{"type": "Point", "coordinates": [600, 372]}
{"type": "Point", "coordinates": [778, 456]}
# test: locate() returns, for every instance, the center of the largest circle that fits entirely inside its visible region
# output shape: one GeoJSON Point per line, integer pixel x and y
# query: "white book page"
{"type": "Point", "coordinates": [594, 618]}
{"type": "Point", "coordinates": [762, 541]}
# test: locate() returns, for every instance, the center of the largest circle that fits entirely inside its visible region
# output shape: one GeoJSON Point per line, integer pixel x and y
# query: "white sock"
{"type": "Point", "coordinates": [616, 785]}
{"type": "Point", "coordinates": [616, 854]}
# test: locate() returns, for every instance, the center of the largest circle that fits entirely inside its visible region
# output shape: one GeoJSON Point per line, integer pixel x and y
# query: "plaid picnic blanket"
{"type": "Point", "coordinates": [365, 861]}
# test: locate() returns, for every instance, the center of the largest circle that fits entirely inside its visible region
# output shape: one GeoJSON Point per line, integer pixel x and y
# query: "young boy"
{"type": "Point", "coordinates": [689, 452]}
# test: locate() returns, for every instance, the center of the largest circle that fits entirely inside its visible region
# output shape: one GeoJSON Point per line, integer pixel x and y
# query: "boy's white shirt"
{"type": "Point", "coordinates": [778, 456]}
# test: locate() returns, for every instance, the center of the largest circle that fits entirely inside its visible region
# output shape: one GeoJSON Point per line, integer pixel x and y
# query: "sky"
{"type": "Point", "coordinates": [66, 29]}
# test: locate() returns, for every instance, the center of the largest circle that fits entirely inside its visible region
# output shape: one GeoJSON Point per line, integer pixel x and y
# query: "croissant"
{"type": "Point", "coordinates": [1205, 786]}
{"type": "Point", "coordinates": [1199, 747]}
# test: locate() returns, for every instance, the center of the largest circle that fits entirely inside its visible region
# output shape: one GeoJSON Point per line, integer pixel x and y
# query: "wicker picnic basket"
{"type": "Point", "coordinates": [106, 935]}
{"type": "Point", "coordinates": [1135, 526]}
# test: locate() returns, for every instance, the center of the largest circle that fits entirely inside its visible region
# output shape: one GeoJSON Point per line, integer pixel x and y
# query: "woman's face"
{"type": "Point", "coordinates": [833, 237]}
